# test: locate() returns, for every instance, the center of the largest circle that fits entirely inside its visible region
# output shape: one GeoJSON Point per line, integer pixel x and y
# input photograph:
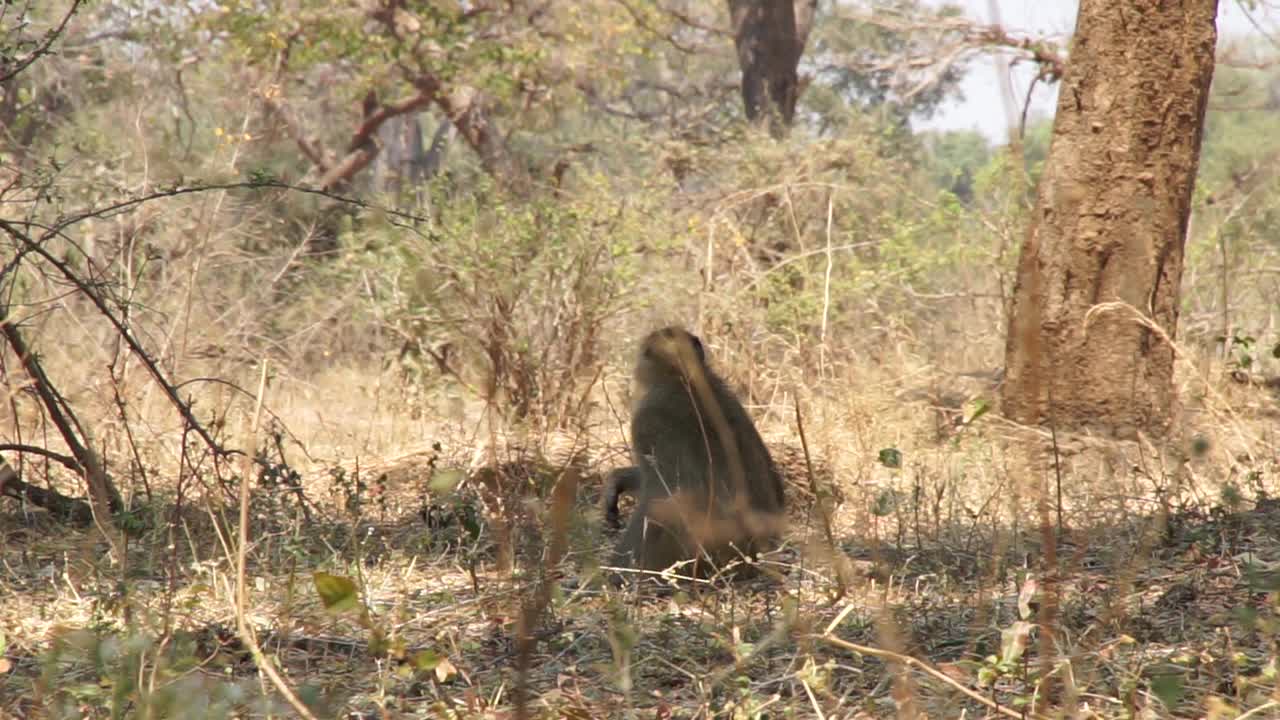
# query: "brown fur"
{"type": "Point", "coordinates": [707, 488]}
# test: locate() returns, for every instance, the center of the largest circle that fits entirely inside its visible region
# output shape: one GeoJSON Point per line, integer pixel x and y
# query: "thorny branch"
{"type": "Point", "coordinates": [135, 347]}
{"type": "Point", "coordinates": [637, 16]}
{"type": "Point", "coordinates": [28, 245]}
{"type": "Point", "coordinates": [105, 211]}
{"type": "Point", "coordinates": [103, 496]}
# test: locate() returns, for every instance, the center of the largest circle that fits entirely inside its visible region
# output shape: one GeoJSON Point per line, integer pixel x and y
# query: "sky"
{"type": "Point", "coordinates": [983, 109]}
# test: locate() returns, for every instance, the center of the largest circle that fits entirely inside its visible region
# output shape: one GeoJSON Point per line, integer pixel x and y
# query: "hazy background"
{"type": "Point", "coordinates": [982, 108]}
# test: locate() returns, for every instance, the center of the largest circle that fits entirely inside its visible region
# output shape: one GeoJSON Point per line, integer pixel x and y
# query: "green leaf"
{"type": "Point", "coordinates": [426, 660]}
{"type": "Point", "coordinates": [444, 481]}
{"type": "Point", "coordinates": [1168, 688]}
{"type": "Point", "coordinates": [1245, 617]}
{"type": "Point", "coordinates": [981, 407]}
{"type": "Point", "coordinates": [470, 522]}
{"type": "Point", "coordinates": [261, 176]}
{"type": "Point", "coordinates": [337, 593]}
{"type": "Point", "coordinates": [311, 696]}
{"type": "Point", "coordinates": [891, 458]}
{"type": "Point", "coordinates": [1199, 445]}
{"type": "Point", "coordinates": [1261, 579]}
{"type": "Point", "coordinates": [379, 643]}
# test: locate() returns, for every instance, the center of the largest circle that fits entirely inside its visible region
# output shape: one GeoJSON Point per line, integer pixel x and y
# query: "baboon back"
{"type": "Point", "coordinates": [679, 450]}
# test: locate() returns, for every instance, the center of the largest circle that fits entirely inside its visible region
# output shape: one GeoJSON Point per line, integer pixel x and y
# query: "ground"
{"type": "Point", "coordinates": [1163, 603]}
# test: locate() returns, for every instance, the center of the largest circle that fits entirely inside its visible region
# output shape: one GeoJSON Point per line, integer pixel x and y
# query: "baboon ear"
{"type": "Point", "coordinates": [697, 347]}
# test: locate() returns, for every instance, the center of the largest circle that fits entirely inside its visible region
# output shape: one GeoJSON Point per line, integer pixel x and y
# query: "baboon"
{"type": "Point", "coordinates": [707, 489]}
{"type": "Point", "coordinates": [788, 458]}
{"type": "Point", "coordinates": [619, 482]}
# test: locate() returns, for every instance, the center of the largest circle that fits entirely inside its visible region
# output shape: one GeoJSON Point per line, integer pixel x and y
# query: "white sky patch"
{"type": "Point", "coordinates": [983, 109]}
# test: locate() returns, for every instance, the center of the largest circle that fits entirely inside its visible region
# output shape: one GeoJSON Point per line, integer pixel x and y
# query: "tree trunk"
{"type": "Point", "coordinates": [770, 36]}
{"type": "Point", "coordinates": [1095, 307]}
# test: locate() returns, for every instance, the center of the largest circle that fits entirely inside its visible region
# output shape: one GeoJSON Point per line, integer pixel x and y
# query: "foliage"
{"type": "Point", "coordinates": [136, 676]}
{"type": "Point", "coordinates": [857, 244]}
{"type": "Point", "coordinates": [523, 290]}
{"type": "Point", "coordinates": [894, 241]}
{"type": "Point", "coordinates": [869, 65]}
{"type": "Point", "coordinates": [481, 68]}
{"type": "Point", "coordinates": [1236, 208]}
{"type": "Point", "coordinates": [954, 158]}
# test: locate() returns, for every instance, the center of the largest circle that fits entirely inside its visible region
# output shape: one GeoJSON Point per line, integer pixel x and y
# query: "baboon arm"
{"type": "Point", "coordinates": [617, 482]}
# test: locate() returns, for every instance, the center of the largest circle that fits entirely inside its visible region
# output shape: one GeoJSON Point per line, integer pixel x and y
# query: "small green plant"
{"type": "Point", "coordinates": [891, 458]}
{"type": "Point", "coordinates": [281, 482]}
{"type": "Point", "coordinates": [126, 676]}
{"type": "Point", "coordinates": [1240, 349]}
{"type": "Point", "coordinates": [1011, 666]}
{"type": "Point", "coordinates": [507, 299]}
{"type": "Point", "coordinates": [1257, 674]}
{"type": "Point", "coordinates": [341, 596]}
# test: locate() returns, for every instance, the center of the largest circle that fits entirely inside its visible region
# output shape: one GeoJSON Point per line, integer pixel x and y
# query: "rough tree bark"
{"type": "Point", "coordinates": [770, 36]}
{"type": "Point", "coordinates": [1095, 306]}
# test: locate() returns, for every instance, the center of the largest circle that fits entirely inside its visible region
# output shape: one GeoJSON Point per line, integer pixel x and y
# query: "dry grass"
{"type": "Point", "coordinates": [1153, 581]}
{"type": "Point", "coordinates": [1162, 602]}
{"type": "Point", "coordinates": [1162, 592]}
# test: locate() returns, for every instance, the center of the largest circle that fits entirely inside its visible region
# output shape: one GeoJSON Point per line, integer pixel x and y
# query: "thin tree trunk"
{"type": "Point", "coordinates": [104, 498]}
{"type": "Point", "coordinates": [59, 505]}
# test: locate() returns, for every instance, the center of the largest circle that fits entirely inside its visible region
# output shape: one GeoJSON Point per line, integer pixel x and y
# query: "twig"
{"type": "Point", "coordinates": [813, 485]}
{"type": "Point", "coordinates": [104, 499]}
{"type": "Point", "coordinates": [65, 460]}
{"type": "Point", "coordinates": [928, 670]}
{"type": "Point", "coordinates": [274, 417]}
{"type": "Point", "coordinates": [826, 304]}
{"type": "Point", "coordinates": [134, 346]}
{"type": "Point", "coordinates": [56, 503]}
{"type": "Point", "coordinates": [255, 184]}
{"type": "Point", "coordinates": [638, 18]}
{"type": "Point", "coordinates": [1264, 707]}
{"type": "Point", "coordinates": [562, 498]}
{"type": "Point", "coordinates": [43, 49]}
{"type": "Point", "coordinates": [242, 553]}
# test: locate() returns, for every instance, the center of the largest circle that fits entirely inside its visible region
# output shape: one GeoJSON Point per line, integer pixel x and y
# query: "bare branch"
{"type": "Point", "coordinates": [967, 38]}
{"type": "Point", "coordinates": [43, 49]}
{"type": "Point", "coordinates": [361, 150]}
{"type": "Point", "coordinates": [638, 17]}
{"type": "Point", "coordinates": [177, 190]}
{"type": "Point", "coordinates": [64, 460]}
{"type": "Point", "coordinates": [45, 389]}
{"type": "Point", "coordinates": [104, 498]}
{"type": "Point", "coordinates": [55, 502]}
